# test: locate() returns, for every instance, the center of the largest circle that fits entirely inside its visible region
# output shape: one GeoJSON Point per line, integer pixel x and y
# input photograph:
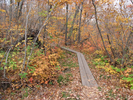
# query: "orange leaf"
{"type": "Point", "coordinates": [46, 82]}
{"type": "Point", "coordinates": [31, 80]}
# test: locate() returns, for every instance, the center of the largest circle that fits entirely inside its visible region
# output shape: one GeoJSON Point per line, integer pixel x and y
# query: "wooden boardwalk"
{"type": "Point", "coordinates": [86, 75]}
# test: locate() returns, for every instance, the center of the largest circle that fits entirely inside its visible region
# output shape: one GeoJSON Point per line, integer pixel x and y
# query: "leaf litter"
{"type": "Point", "coordinates": [109, 89]}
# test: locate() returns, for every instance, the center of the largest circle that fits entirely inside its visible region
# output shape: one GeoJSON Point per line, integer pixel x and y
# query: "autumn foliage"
{"type": "Point", "coordinates": [31, 32]}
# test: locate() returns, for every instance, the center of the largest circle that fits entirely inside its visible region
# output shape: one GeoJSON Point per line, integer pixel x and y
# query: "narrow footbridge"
{"type": "Point", "coordinates": [86, 75]}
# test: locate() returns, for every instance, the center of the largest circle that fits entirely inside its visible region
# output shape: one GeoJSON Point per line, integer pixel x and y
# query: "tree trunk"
{"type": "Point", "coordinates": [71, 29]}
{"type": "Point", "coordinates": [10, 16]}
{"type": "Point", "coordinates": [19, 9]}
{"type": "Point", "coordinates": [108, 37]}
{"type": "Point", "coordinates": [66, 24]}
{"type": "Point", "coordinates": [100, 32]}
{"type": "Point", "coordinates": [126, 46]}
{"type": "Point", "coordinates": [80, 22]}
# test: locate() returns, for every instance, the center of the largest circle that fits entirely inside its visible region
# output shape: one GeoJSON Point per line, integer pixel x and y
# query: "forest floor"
{"type": "Point", "coordinates": [70, 87]}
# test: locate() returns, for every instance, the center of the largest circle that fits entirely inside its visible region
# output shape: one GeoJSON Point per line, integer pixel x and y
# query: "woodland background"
{"type": "Point", "coordinates": [31, 32]}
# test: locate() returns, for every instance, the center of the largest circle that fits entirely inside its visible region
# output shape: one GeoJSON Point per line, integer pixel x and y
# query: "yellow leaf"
{"type": "Point", "coordinates": [17, 0]}
{"type": "Point", "coordinates": [1, 10]}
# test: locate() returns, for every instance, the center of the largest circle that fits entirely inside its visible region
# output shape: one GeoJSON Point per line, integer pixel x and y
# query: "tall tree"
{"type": "Point", "coordinates": [72, 25]}
{"type": "Point", "coordinates": [99, 30]}
{"type": "Point", "coordinates": [19, 8]}
{"type": "Point", "coordinates": [80, 22]}
{"type": "Point", "coordinates": [66, 23]}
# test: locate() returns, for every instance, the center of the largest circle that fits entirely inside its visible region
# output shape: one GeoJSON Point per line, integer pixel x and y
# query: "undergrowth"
{"type": "Point", "coordinates": [125, 74]}
{"type": "Point", "coordinates": [41, 70]}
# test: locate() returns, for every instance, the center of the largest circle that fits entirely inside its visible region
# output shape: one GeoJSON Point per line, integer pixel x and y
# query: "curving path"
{"type": "Point", "coordinates": [86, 75]}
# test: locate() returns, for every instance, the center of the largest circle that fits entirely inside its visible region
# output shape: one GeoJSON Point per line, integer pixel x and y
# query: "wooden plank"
{"type": "Point", "coordinates": [86, 75]}
{"type": "Point", "coordinates": [82, 71]}
{"type": "Point", "coordinates": [89, 75]}
{"type": "Point", "coordinates": [88, 72]}
{"type": "Point", "coordinates": [69, 50]}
